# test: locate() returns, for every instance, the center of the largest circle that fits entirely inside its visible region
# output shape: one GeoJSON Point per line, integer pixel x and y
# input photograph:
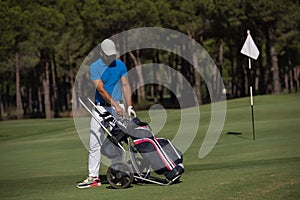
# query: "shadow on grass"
{"type": "Point", "coordinates": [238, 134]}
{"type": "Point", "coordinates": [139, 182]}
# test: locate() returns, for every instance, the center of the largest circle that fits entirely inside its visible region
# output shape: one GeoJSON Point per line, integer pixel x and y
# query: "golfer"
{"type": "Point", "coordinates": [109, 75]}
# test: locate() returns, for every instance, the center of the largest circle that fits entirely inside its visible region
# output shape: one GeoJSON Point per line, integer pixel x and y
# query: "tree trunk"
{"type": "Point", "coordinates": [220, 57]}
{"type": "Point", "coordinates": [232, 73]}
{"type": "Point", "coordinates": [18, 91]}
{"type": "Point", "coordinates": [274, 61]}
{"type": "Point", "coordinates": [175, 88]}
{"type": "Point", "coordinates": [291, 89]}
{"type": "Point", "coordinates": [275, 69]}
{"type": "Point", "coordinates": [24, 101]}
{"type": "Point", "coordinates": [233, 83]}
{"type": "Point", "coordinates": [186, 68]}
{"type": "Point", "coordinates": [291, 79]}
{"type": "Point", "coordinates": [54, 86]}
{"type": "Point", "coordinates": [158, 90]}
{"type": "Point", "coordinates": [137, 62]}
{"type": "Point", "coordinates": [286, 81]}
{"type": "Point", "coordinates": [7, 100]}
{"type": "Point", "coordinates": [241, 82]}
{"type": "Point", "coordinates": [1, 108]}
{"type": "Point", "coordinates": [40, 101]}
{"type": "Point", "coordinates": [248, 82]}
{"type": "Point", "coordinates": [220, 66]}
{"type": "Point", "coordinates": [297, 77]}
{"type": "Point", "coordinates": [30, 102]}
{"type": "Point", "coordinates": [46, 87]}
{"type": "Point", "coordinates": [267, 72]}
{"type": "Point", "coordinates": [71, 77]}
{"type": "Point", "coordinates": [261, 76]}
{"type": "Point", "coordinates": [197, 80]}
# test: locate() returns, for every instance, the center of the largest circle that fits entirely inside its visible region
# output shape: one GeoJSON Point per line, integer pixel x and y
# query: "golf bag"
{"type": "Point", "coordinates": [159, 152]}
{"type": "Point", "coordinates": [111, 145]}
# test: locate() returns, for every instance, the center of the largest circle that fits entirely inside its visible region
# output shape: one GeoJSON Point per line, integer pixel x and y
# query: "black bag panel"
{"type": "Point", "coordinates": [145, 147]}
{"type": "Point", "coordinates": [160, 153]}
{"type": "Point", "coordinates": [162, 161]}
{"type": "Point", "coordinates": [171, 150]}
{"type": "Point", "coordinates": [148, 152]}
{"type": "Point", "coordinates": [109, 149]}
{"type": "Point", "coordinates": [140, 132]}
{"type": "Point", "coordinates": [118, 133]}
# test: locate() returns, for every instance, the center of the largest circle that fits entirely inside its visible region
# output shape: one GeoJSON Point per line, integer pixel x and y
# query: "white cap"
{"type": "Point", "coordinates": [108, 47]}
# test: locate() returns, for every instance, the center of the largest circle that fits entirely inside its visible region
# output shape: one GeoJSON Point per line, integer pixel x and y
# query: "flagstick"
{"type": "Point", "coordinates": [251, 101]}
{"type": "Point", "coordinates": [249, 49]}
{"type": "Point", "coordinates": [252, 113]}
{"type": "Point", "coordinates": [249, 60]}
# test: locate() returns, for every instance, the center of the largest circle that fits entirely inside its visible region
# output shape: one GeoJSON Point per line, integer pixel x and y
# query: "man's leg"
{"type": "Point", "coordinates": [94, 159]}
{"type": "Point", "coordinates": [96, 139]}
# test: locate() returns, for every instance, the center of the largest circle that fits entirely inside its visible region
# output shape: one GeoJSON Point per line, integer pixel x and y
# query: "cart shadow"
{"type": "Point", "coordinates": [137, 183]}
{"type": "Point", "coordinates": [103, 179]}
{"type": "Point", "coordinates": [111, 188]}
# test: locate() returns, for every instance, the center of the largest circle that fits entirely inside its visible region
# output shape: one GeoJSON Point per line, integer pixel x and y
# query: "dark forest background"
{"type": "Point", "coordinates": [43, 43]}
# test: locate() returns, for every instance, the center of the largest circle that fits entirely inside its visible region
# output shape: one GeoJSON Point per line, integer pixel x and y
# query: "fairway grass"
{"type": "Point", "coordinates": [44, 159]}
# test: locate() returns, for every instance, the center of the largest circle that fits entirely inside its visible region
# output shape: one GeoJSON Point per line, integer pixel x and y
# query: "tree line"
{"type": "Point", "coordinates": [43, 44]}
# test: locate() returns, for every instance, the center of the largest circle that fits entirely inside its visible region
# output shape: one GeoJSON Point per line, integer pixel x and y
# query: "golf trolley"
{"type": "Point", "coordinates": [139, 163]}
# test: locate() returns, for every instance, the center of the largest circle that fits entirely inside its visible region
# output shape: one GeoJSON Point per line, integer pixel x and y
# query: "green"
{"type": "Point", "coordinates": [44, 159]}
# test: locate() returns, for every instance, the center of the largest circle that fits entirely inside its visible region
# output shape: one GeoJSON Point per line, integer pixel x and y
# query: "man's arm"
{"type": "Point", "coordinates": [106, 96]}
{"type": "Point", "coordinates": [126, 90]}
{"type": "Point", "coordinates": [127, 95]}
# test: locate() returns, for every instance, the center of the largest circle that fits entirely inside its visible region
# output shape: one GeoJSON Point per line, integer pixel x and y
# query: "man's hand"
{"type": "Point", "coordinates": [131, 111]}
{"type": "Point", "coordinates": [119, 110]}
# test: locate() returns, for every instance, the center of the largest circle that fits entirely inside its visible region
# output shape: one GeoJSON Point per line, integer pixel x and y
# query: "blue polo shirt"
{"type": "Point", "coordinates": [110, 76]}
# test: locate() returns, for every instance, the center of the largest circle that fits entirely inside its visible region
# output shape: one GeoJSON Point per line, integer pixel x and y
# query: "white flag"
{"type": "Point", "coordinates": [249, 49]}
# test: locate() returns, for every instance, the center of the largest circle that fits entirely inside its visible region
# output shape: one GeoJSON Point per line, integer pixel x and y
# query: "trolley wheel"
{"type": "Point", "coordinates": [119, 175]}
